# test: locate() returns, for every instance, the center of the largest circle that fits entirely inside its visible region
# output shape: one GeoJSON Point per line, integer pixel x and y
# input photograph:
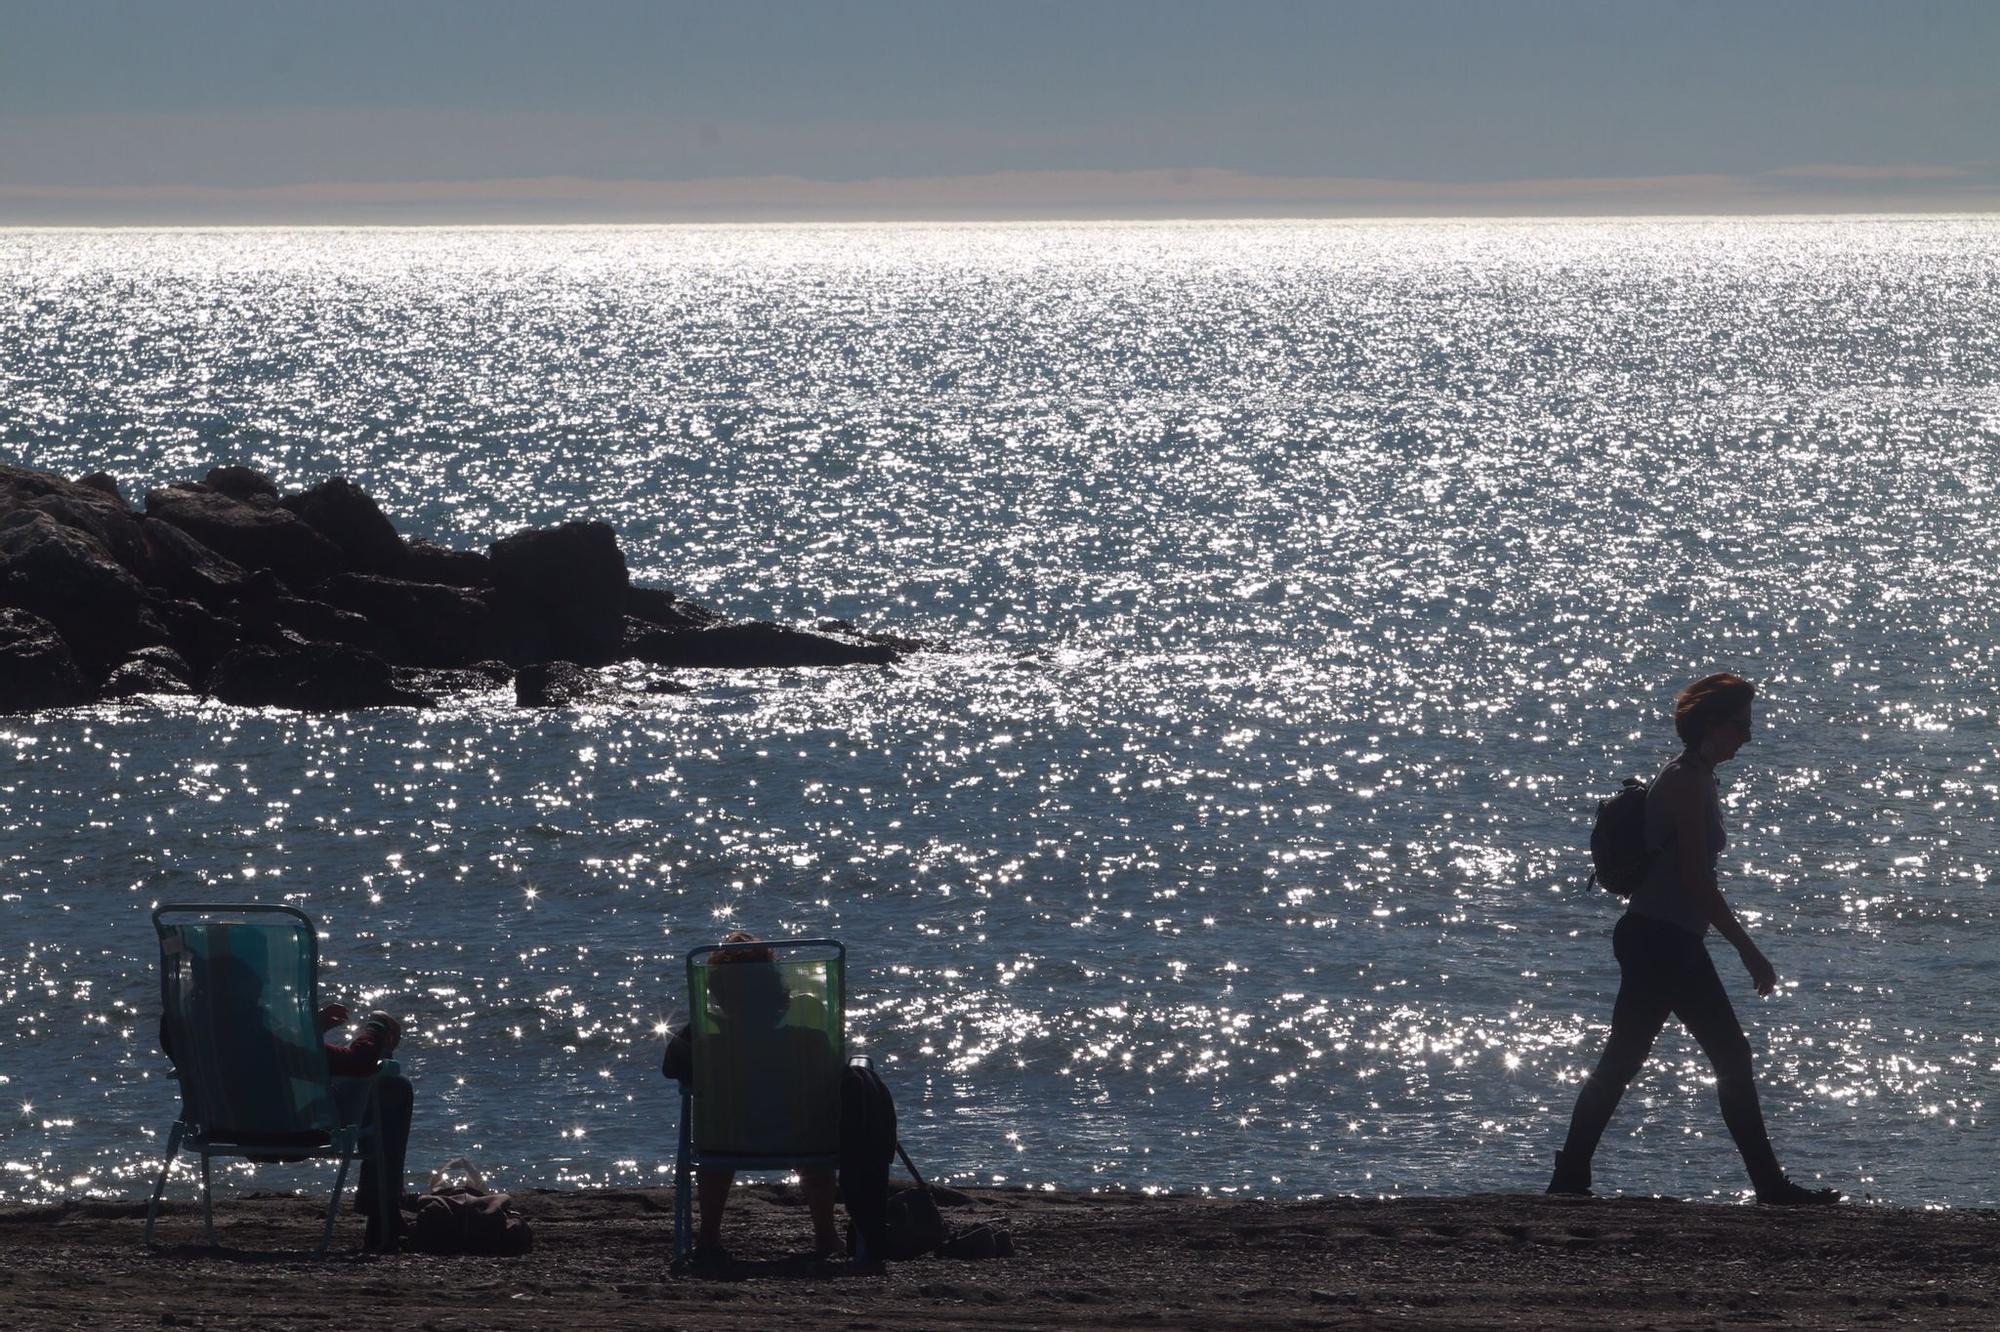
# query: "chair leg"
{"type": "Point", "coordinates": [683, 1192]}
{"type": "Point", "coordinates": [160, 1188]}
{"type": "Point", "coordinates": [333, 1203]}
{"type": "Point", "coordinates": [207, 1201]}
{"type": "Point", "coordinates": [388, 1193]}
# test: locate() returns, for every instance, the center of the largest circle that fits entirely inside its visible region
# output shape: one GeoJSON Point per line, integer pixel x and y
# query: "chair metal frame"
{"type": "Point", "coordinates": [687, 1157]}
{"type": "Point", "coordinates": [344, 1142]}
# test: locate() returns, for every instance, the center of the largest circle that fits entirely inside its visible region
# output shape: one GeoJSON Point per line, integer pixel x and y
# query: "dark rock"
{"type": "Point", "coordinates": [554, 684]}
{"type": "Point", "coordinates": [439, 681]}
{"type": "Point", "coordinates": [435, 625]}
{"type": "Point", "coordinates": [318, 622]}
{"type": "Point", "coordinates": [178, 564]}
{"type": "Point", "coordinates": [36, 668]}
{"type": "Point", "coordinates": [297, 597]}
{"type": "Point", "coordinates": [655, 607]}
{"type": "Point", "coordinates": [257, 631]}
{"type": "Point", "coordinates": [163, 658]}
{"type": "Point", "coordinates": [310, 677]}
{"type": "Point", "coordinates": [638, 630]}
{"type": "Point", "coordinates": [245, 484]}
{"type": "Point", "coordinates": [258, 593]}
{"type": "Point", "coordinates": [253, 535]}
{"type": "Point", "coordinates": [562, 590]}
{"type": "Point", "coordinates": [152, 670]}
{"type": "Point", "coordinates": [900, 642]}
{"type": "Point", "coordinates": [89, 509]}
{"type": "Point", "coordinates": [344, 514]}
{"type": "Point", "coordinates": [756, 644]}
{"type": "Point", "coordinates": [115, 527]}
{"type": "Point", "coordinates": [67, 577]}
{"type": "Point", "coordinates": [426, 562]}
{"type": "Point", "coordinates": [194, 631]}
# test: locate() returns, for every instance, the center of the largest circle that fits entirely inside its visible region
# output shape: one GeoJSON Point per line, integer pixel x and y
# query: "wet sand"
{"type": "Point", "coordinates": [601, 1259]}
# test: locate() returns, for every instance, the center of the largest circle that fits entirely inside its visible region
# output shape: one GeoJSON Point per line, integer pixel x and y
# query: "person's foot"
{"type": "Point", "coordinates": [1784, 1193]}
{"type": "Point", "coordinates": [712, 1261]}
{"type": "Point", "coordinates": [1570, 1179]}
{"type": "Point", "coordinates": [382, 1239]}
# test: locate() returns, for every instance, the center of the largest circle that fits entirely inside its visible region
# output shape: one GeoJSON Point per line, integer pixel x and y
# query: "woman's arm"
{"type": "Point", "coordinates": [1687, 803]}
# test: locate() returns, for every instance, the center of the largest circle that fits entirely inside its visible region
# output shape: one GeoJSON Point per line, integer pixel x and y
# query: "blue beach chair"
{"type": "Point", "coordinates": [239, 991]}
{"type": "Point", "coordinates": [768, 1043]}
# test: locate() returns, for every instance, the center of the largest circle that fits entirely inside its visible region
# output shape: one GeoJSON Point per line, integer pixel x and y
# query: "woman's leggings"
{"type": "Point", "coordinates": [1666, 970]}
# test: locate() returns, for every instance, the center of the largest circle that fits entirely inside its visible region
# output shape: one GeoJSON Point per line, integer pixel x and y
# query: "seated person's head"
{"type": "Point", "coordinates": [229, 992]}
{"type": "Point", "coordinates": [745, 982]}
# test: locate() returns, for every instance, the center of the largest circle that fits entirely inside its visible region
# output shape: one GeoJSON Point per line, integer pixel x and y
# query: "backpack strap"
{"type": "Point", "coordinates": [911, 1166]}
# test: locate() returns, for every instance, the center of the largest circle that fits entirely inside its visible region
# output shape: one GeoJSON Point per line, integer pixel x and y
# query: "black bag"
{"type": "Point", "coordinates": [882, 1226]}
{"type": "Point", "coordinates": [913, 1226]}
{"type": "Point", "coordinates": [1618, 855]}
{"type": "Point", "coordinates": [867, 1144]}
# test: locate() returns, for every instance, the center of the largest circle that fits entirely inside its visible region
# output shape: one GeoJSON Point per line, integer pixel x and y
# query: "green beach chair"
{"type": "Point", "coordinates": [239, 995]}
{"type": "Point", "coordinates": [768, 1044]}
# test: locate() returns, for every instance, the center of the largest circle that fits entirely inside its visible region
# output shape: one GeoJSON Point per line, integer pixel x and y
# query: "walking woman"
{"type": "Point", "coordinates": [1663, 962]}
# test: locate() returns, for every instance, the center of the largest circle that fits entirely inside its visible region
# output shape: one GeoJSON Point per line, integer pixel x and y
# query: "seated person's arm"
{"type": "Point", "coordinates": [371, 1045]}
{"type": "Point", "coordinates": [678, 1063]}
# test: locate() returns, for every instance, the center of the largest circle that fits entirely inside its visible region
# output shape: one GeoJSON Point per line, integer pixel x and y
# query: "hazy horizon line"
{"type": "Point", "coordinates": [1180, 194]}
{"type": "Point", "coordinates": [864, 223]}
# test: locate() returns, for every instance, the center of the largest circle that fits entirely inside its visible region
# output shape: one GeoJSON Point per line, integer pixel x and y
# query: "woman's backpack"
{"type": "Point", "coordinates": [1618, 855]}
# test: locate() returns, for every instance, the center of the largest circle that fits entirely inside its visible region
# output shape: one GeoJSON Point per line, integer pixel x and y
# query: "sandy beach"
{"type": "Point", "coordinates": [601, 1260]}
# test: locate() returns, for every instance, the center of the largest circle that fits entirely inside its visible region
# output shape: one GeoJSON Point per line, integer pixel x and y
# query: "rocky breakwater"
{"type": "Point", "coordinates": [230, 589]}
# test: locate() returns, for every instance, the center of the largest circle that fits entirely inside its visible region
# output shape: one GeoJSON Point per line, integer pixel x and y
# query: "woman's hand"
{"type": "Point", "coordinates": [1762, 974]}
{"type": "Point", "coordinates": [331, 1016]}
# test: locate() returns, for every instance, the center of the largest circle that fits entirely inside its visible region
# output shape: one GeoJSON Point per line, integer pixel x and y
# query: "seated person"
{"type": "Point", "coordinates": [748, 1002]}
{"type": "Point", "coordinates": [395, 1102]}
{"type": "Point", "coordinates": [383, 1152]}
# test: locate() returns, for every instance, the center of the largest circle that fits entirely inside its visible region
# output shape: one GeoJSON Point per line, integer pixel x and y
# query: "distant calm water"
{"type": "Point", "coordinates": [1309, 583]}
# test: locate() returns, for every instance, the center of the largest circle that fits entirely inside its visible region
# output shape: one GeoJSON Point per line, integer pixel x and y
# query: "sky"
{"type": "Point", "coordinates": [493, 111]}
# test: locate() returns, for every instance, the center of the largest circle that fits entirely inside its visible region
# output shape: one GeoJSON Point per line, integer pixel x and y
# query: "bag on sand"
{"type": "Point", "coordinates": [1618, 856]}
{"type": "Point", "coordinates": [901, 1225]}
{"type": "Point", "coordinates": [913, 1226]}
{"type": "Point", "coordinates": [916, 1227]}
{"type": "Point", "coordinates": [465, 1218]}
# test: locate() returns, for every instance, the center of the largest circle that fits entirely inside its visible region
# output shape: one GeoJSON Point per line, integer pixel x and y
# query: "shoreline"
{"type": "Point", "coordinates": [1110, 1260]}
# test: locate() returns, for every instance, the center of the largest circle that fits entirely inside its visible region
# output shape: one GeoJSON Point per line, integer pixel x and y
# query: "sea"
{"type": "Point", "coordinates": [1297, 589]}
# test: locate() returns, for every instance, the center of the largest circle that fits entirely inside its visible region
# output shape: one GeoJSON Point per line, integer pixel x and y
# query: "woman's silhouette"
{"type": "Point", "coordinates": [1663, 962]}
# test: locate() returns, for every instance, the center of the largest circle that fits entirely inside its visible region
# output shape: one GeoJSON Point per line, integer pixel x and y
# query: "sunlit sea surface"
{"type": "Point", "coordinates": [1307, 584]}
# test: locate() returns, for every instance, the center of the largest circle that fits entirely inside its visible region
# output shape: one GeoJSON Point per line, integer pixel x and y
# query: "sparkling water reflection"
{"type": "Point", "coordinates": [1306, 581]}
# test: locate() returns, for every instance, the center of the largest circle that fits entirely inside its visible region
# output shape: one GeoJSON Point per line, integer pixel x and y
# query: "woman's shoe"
{"type": "Point", "coordinates": [1784, 1193]}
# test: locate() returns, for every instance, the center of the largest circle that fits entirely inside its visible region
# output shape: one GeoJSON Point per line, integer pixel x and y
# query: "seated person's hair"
{"type": "Point", "coordinates": [753, 992]}
{"type": "Point", "coordinates": [731, 949]}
